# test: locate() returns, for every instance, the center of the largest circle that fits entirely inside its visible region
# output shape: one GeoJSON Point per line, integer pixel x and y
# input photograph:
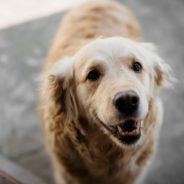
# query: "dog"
{"type": "Point", "coordinates": [99, 96]}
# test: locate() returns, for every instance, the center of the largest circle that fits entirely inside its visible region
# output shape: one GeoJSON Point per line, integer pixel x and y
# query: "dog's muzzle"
{"type": "Point", "coordinates": [128, 130]}
{"type": "Point", "coordinates": [127, 104]}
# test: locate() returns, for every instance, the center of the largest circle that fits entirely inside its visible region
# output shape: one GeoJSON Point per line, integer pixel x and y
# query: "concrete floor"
{"type": "Point", "coordinates": [22, 52]}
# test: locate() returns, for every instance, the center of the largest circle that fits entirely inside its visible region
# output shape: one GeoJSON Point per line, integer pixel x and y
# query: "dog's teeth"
{"type": "Point", "coordinates": [141, 123]}
{"type": "Point", "coordinates": [119, 129]}
{"type": "Point", "coordinates": [137, 131]}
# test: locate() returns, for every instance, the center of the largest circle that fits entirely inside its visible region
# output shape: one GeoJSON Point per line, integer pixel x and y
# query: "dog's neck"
{"type": "Point", "coordinates": [95, 158]}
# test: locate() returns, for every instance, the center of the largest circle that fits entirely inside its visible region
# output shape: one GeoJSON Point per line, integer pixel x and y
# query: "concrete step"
{"type": "Point", "coordinates": [13, 174]}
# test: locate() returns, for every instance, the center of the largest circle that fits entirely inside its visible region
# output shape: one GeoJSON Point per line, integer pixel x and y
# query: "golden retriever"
{"type": "Point", "coordinates": [99, 98]}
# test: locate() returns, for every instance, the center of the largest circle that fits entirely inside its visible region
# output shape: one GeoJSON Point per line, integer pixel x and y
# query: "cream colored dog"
{"type": "Point", "coordinates": [99, 97]}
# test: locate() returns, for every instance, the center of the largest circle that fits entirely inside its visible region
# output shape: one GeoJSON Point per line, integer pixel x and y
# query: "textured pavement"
{"type": "Point", "coordinates": [22, 52]}
{"type": "Point", "coordinates": [13, 171]}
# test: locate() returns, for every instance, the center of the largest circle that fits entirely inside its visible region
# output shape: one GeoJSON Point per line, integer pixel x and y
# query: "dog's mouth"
{"type": "Point", "coordinates": [128, 132]}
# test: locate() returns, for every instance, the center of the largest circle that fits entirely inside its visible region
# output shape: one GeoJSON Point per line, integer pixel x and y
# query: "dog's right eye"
{"type": "Point", "coordinates": [137, 67]}
{"type": "Point", "coordinates": [93, 75]}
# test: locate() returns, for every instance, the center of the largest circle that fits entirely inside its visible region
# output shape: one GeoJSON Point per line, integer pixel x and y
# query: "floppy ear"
{"type": "Point", "coordinates": [61, 87]}
{"type": "Point", "coordinates": [162, 72]}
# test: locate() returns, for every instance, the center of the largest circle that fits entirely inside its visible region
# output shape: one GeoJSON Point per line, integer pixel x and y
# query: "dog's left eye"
{"type": "Point", "coordinates": [93, 75]}
{"type": "Point", "coordinates": [137, 67]}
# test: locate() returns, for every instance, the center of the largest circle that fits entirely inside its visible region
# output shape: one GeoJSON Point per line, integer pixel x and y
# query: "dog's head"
{"type": "Point", "coordinates": [111, 82]}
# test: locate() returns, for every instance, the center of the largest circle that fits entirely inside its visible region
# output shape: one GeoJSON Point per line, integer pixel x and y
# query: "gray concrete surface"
{"type": "Point", "coordinates": [22, 52]}
{"type": "Point", "coordinates": [17, 172]}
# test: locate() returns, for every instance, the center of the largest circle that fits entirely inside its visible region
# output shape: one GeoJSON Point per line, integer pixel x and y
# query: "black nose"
{"type": "Point", "coordinates": [127, 102]}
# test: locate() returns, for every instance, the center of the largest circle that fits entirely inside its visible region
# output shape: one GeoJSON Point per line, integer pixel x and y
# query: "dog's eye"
{"type": "Point", "coordinates": [136, 67]}
{"type": "Point", "coordinates": [93, 75]}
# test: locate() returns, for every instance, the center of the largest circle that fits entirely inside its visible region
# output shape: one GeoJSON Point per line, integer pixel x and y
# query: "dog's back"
{"type": "Point", "coordinates": [102, 18]}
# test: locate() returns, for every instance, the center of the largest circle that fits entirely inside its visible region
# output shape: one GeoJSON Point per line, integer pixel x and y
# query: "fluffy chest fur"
{"type": "Point", "coordinates": [86, 155]}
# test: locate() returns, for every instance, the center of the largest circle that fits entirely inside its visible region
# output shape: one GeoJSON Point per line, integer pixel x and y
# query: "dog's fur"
{"type": "Point", "coordinates": [104, 35]}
